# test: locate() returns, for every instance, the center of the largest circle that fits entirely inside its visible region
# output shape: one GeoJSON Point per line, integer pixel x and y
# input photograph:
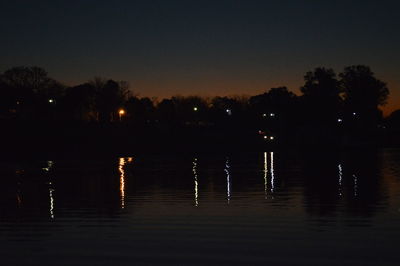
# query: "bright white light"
{"type": "Point", "coordinates": [51, 100]}
{"type": "Point", "coordinates": [340, 120]}
{"type": "Point", "coordinates": [271, 138]}
{"type": "Point", "coordinates": [354, 114]}
{"type": "Point", "coordinates": [265, 137]}
{"type": "Point", "coordinates": [271, 114]}
{"type": "Point", "coordinates": [195, 109]}
{"type": "Point", "coordinates": [229, 111]}
{"type": "Point", "coordinates": [264, 115]}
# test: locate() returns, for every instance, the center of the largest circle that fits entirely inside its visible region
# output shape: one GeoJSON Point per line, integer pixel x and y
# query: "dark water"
{"type": "Point", "coordinates": [273, 208]}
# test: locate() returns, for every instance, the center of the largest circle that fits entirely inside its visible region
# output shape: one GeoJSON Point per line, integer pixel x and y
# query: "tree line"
{"type": "Point", "coordinates": [350, 99]}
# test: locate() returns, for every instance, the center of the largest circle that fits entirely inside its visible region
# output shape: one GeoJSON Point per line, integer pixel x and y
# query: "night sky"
{"type": "Point", "coordinates": [207, 48]}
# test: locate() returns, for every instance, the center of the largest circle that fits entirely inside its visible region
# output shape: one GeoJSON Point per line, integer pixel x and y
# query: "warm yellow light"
{"type": "Point", "coordinates": [121, 112]}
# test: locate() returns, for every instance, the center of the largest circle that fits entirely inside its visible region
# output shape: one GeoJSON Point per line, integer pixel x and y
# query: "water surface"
{"type": "Point", "coordinates": [276, 208]}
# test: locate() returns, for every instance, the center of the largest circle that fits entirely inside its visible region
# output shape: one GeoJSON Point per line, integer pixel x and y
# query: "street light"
{"type": "Point", "coordinates": [121, 113]}
{"type": "Point", "coordinates": [195, 109]}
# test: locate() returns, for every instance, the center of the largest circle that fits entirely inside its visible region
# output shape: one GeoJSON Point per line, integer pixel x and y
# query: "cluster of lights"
{"type": "Point", "coordinates": [269, 138]}
{"type": "Point", "coordinates": [270, 115]}
{"type": "Point", "coordinates": [340, 120]}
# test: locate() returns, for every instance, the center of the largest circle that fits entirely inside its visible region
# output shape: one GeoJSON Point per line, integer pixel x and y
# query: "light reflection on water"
{"type": "Point", "coordinates": [228, 180]}
{"type": "Point", "coordinates": [121, 169]}
{"type": "Point", "coordinates": [196, 183]}
{"type": "Point", "coordinates": [299, 206]}
{"type": "Point", "coordinates": [340, 179]}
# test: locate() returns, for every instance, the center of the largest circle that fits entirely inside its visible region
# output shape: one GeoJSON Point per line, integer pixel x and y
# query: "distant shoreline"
{"type": "Point", "coordinates": [63, 140]}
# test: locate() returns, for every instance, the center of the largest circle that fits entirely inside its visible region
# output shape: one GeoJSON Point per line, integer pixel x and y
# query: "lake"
{"type": "Point", "coordinates": [275, 208]}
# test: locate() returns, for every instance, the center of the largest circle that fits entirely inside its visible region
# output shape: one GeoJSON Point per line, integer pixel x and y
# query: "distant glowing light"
{"type": "Point", "coordinates": [265, 137]}
{"type": "Point", "coordinates": [271, 138]}
{"type": "Point", "coordinates": [49, 166]}
{"type": "Point", "coordinates": [51, 100]}
{"type": "Point", "coordinates": [354, 114]}
{"type": "Point", "coordinates": [340, 120]}
{"type": "Point", "coordinates": [272, 115]}
{"type": "Point", "coordinates": [121, 112]}
{"type": "Point", "coordinates": [264, 115]}
{"type": "Point", "coordinates": [229, 111]}
{"type": "Point", "coordinates": [195, 109]}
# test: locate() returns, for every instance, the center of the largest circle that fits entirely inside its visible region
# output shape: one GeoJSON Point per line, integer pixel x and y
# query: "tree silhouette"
{"type": "Point", "coordinates": [321, 96]}
{"type": "Point", "coordinates": [109, 97]}
{"type": "Point", "coordinates": [140, 111]}
{"type": "Point", "coordinates": [363, 93]}
{"type": "Point", "coordinates": [79, 102]}
{"type": "Point", "coordinates": [191, 109]}
{"type": "Point", "coordinates": [32, 90]}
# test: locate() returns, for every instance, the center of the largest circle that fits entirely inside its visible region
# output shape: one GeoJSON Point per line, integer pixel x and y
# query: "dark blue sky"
{"type": "Point", "coordinates": [215, 47]}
